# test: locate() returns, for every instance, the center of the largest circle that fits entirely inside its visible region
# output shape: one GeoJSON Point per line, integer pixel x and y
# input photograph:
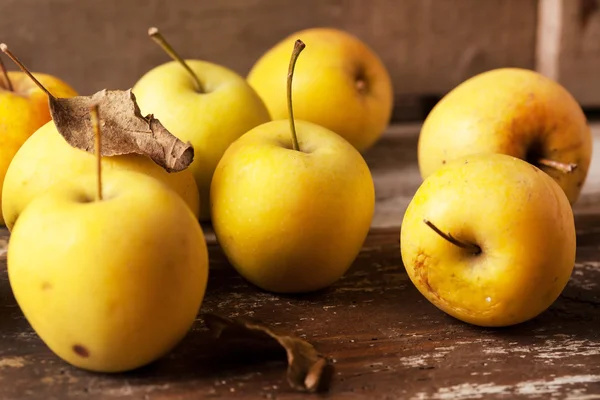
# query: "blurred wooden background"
{"type": "Point", "coordinates": [429, 46]}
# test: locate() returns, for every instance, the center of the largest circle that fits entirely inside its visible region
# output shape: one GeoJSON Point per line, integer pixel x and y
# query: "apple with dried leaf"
{"type": "Point", "coordinates": [290, 209]}
{"type": "Point", "coordinates": [203, 103]}
{"type": "Point", "coordinates": [489, 239]}
{"type": "Point", "coordinates": [23, 109]}
{"type": "Point", "coordinates": [109, 269]}
{"type": "Point", "coordinates": [61, 149]}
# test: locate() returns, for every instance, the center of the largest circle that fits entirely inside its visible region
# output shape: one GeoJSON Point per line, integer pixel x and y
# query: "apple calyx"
{"type": "Point", "coordinates": [471, 247]}
{"type": "Point", "coordinates": [557, 165]}
{"type": "Point", "coordinates": [298, 47]}
{"type": "Point", "coordinates": [155, 35]}
{"type": "Point", "coordinates": [98, 148]}
{"type": "Point", "coordinates": [6, 51]}
{"type": "Point", "coordinates": [360, 81]}
{"type": "Point", "coordinates": [7, 83]}
{"type": "Point", "coordinates": [361, 85]}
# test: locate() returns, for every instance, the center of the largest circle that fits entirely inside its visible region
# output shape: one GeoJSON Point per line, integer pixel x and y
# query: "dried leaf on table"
{"type": "Point", "coordinates": [124, 129]}
{"type": "Point", "coordinates": [308, 370]}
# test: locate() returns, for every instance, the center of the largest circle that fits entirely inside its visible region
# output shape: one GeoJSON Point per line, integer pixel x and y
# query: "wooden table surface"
{"type": "Point", "coordinates": [386, 341]}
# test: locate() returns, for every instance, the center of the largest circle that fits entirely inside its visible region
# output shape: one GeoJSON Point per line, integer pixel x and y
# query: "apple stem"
{"type": "Point", "coordinates": [463, 245]}
{"type": "Point", "coordinates": [298, 47]}
{"type": "Point", "coordinates": [162, 42]}
{"type": "Point", "coordinates": [98, 148]}
{"type": "Point", "coordinates": [5, 50]}
{"type": "Point", "coordinates": [557, 165]}
{"type": "Point", "coordinates": [7, 81]}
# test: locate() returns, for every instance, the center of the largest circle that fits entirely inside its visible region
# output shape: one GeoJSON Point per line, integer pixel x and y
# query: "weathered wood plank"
{"type": "Point", "coordinates": [428, 46]}
{"type": "Point", "coordinates": [386, 339]}
{"type": "Point", "coordinates": [568, 46]}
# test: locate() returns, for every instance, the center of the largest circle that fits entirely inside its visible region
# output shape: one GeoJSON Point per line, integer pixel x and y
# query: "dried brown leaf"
{"type": "Point", "coordinates": [308, 370]}
{"type": "Point", "coordinates": [124, 129]}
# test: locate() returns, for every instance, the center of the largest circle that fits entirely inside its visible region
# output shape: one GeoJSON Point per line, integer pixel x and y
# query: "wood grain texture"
{"type": "Point", "coordinates": [428, 46]}
{"type": "Point", "coordinates": [387, 341]}
{"type": "Point", "coordinates": [568, 48]}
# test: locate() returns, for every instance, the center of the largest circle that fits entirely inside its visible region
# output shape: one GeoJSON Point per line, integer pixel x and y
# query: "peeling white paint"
{"type": "Point", "coordinates": [592, 264]}
{"type": "Point", "coordinates": [578, 394]}
{"type": "Point", "coordinates": [495, 350]}
{"type": "Point", "coordinates": [582, 278]}
{"type": "Point", "coordinates": [448, 348]}
{"type": "Point", "coordinates": [475, 341]}
{"type": "Point", "coordinates": [469, 391]}
{"type": "Point", "coordinates": [560, 346]}
{"type": "Point", "coordinates": [548, 387]}
{"type": "Point", "coordinates": [558, 349]}
{"type": "Point", "coordinates": [540, 387]}
{"type": "Point", "coordinates": [12, 362]}
{"type": "Point", "coordinates": [425, 359]}
{"type": "Point", "coordinates": [355, 289]}
{"type": "Point", "coordinates": [415, 361]}
{"type": "Point", "coordinates": [555, 347]}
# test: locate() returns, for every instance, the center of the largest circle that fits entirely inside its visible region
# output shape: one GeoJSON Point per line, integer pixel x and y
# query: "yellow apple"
{"type": "Point", "coordinates": [291, 221]}
{"type": "Point", "coordinates": [489, 239]}
{"type": "Point", "coordinates": [340, 84]}
{"type": "Point", "coordinates": [46, 158]}
{"type": "Point", "coordinates": [208, 105]}
{"type": "Point", "coordinates": [23, 109]}
{"type": "Point", "coordinates": [114, 284]}
{"type": "Point", "coordinates": [292, 215]}
{"type": "Point", "coordinates": [512, 111]}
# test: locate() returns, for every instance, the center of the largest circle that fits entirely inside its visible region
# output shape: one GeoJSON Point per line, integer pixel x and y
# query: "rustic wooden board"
{"type": "Point", "coordinates": [387, 341]}
{"type": "Point", "coordinates": [568, 46]}
{"type": "Point", "coordinates": [428, 46]}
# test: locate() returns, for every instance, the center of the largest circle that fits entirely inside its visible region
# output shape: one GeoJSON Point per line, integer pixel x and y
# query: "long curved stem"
{"type": "Point", "coordinates": [9, 85]}
{"type": "Point", "coordinates": [298, 47]}
{"type": "Point", "coordinates": [557, 165]}
{"type": "Point", "coordinates": [5, 50]}
{"type": "Point", "coordinates": [162, 42]}
{"type": "Point", "coordinates": [98, 148]}
{"type": "Point", "coordinates": [472, 247]}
